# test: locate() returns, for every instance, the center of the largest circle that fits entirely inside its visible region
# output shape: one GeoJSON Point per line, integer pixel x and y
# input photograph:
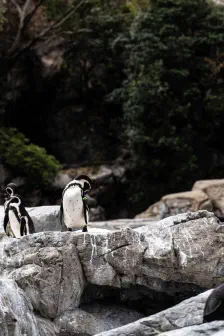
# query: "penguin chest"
{"type": "Point", "coordinates": [14, 224]}
{"type": "Point", "coordinates": [73, 208]}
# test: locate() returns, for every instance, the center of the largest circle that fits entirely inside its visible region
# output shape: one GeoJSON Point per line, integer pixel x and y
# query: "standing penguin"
{"type": "Point", "coordinates": [74, 209]}
{"type": "Point", "coordinates": [214, 307]}
{"type": "Point", "coordinates": [17, 221]}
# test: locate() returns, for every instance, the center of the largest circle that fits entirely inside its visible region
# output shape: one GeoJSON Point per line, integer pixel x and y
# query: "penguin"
{"type": "Point", "coordinates": [17, 221]}
{"type": "Point", "coordinates": [74, 209]}
{"type": "Point", "coordinates": [214, 307]}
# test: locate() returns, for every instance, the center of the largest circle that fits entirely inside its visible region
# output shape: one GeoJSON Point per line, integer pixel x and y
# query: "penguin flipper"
{"type": "Point", "coordinates": [61, 213]}
{"type": "Point", "coordinates": [31, 224]}
{"type": "Point", "coordinates": [22, 226]}
{"type": "Point", "coordinates": [6, 219]}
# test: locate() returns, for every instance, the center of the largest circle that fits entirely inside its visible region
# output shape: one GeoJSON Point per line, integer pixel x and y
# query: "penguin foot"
{"type": "Point", "coordinates": [85, 229]}
{"type": "Point", "coordinates": [69, 229]}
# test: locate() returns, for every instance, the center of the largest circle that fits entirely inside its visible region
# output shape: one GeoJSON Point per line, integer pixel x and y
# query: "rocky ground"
{"type": "Point", "coordinates": [151, 279]}
{"type": "Point", "coordinates": [205, 195]}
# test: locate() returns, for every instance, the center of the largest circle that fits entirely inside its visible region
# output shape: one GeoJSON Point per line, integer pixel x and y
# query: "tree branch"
{"type": "Point", "coordinates": [63, 18]}
{"type": "Point", "coordinates": [31, 15]}
{"type": "Point", "coordinates": [22, 16]}
{"type": "Point", "coordinates": [14, 55]}
{"type": "Point", "coordinates": [56, 24]}
{"type": "Point", "coordinates": [17, 7]}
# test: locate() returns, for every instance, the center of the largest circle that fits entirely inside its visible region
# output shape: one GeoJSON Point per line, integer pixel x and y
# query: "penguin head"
{"type": "Point", "coordinates": [85, 181]}
{"type": "Point", "coordinates": [10, 189]}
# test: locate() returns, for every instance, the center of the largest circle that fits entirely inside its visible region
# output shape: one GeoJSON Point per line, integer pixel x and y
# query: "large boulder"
{"type": "Point", "coordinates": [184, 319]}
{"type": "Point", "coordinates": [16, 313]}
{"type": "Point", "coordinates": [174, 204]}
{"type": "Point", "coordinates": [165, 262]}
{"type": "Point", "coordinates": [214, 189]}
{"type": "Point", "coordinates": [165, 256]}
{"type": "Point", "coordinates": [47, 267]}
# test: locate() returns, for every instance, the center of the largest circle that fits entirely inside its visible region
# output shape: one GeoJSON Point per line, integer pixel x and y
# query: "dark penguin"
{"type": "Point", "coordinates": [214, 307]}
{"type": "Point", "coordinates": [17, 221]}
{"type": "Point", "coordinates": [74, 209]}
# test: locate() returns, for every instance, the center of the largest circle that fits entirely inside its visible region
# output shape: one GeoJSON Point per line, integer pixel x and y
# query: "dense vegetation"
{"type": "Point", "coordinates": [26, 159]}
{"type": "Point", "coordinates": [173, 97]}
{"type": "Point", "coordinates": [143, 79]}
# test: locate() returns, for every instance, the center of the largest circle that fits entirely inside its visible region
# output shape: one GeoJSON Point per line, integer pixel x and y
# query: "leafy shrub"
{"type": "Point", "coordinates": [26, 159]}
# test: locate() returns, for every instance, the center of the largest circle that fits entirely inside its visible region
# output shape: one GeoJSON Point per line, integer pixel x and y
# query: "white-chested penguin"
{"type": "Point", "coordinates": [74, 209]}
{"type": "Point", "coordinates": [17, 221]}
{"type": "Point", "coordinates": [214, 307]}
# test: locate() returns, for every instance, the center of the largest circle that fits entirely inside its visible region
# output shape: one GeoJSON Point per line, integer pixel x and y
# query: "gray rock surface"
{"type": "Point", "coordinates": [183, 319]}
{"type": "Point", "coordinates": [200, 330]}
{"type": "Point", "coordinates": [176, 257]}
{"type": "Point", "coordinates": [16, 313]}
{"type": "Point", "coordinates": [95, 318]}
{"type": "Point", "coordinates": [182, 202]}
{"type": "Point", "coordinates": [219, 333]}
{"type": "Point", "coordinates": [165, 256]}
{"type": "Point", "coordinates": [47, 267]}
{"type": "Point", "coordinates": [77, 322]}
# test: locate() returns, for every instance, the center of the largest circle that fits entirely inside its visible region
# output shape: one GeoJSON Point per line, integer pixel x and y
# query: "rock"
{"type": "Point", "coordinates": [61, 180]}
{"type": "Point", "coordinates": [45, 218]}
{"type": "Point", "coordinates": [186, 317]}
{"type": "Point", "coordinates": [119, 224]}
{"type": "Point", "coordinates": [16, 313]}
{"type": "Point", "coordinates": [111, 316]}
{"type": "Point", "coordinates": [94, 318]}
{"type": "Point", "coordinates": [77, 322]}
{"type": "Point", "coordinates": [157, 211]}
{"type": "Point", "coordinates": [96, 214]}
{"type": "Point", "coordinates": [219, 333]}
{"type": "Point", "coordinates": [187, 201]}
{"type": "Point", "coordinates": [92, 203]}
{"type": "Point", "coordinates": [164, 256]}
{"type": "Point", "coordinates": [174, 204]}
{"type": "Point", "coordinates": [47, 267]}
{"type": "Point", "coordinates": [163, 262]}
{"type": "Point", "coordinates": [203, 329]}
{"type": "Point", "coordinates": [214, 189]}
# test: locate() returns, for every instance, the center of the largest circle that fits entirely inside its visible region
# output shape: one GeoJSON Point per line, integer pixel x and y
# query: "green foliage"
{"type": "Point", "coordinates": [93, 68]}
{"type": "Point", "coordinates": [172, 98]}
{"type": "Point", "coordinates": [26, 159]}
